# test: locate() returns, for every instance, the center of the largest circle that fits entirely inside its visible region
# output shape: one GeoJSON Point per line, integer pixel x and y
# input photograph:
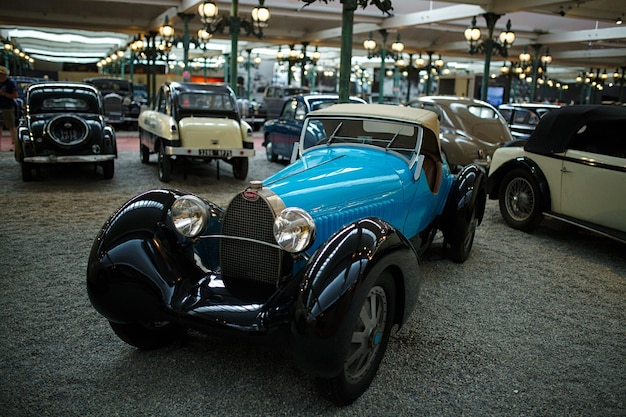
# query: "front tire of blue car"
{"type": "Point", "coordinates": [370, 337]}
{"type": "Point", "coordinates": [147, 336]}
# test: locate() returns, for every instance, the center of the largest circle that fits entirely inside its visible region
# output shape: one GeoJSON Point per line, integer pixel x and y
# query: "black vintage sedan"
{"type": "Point", "coordinates": [64, 123]}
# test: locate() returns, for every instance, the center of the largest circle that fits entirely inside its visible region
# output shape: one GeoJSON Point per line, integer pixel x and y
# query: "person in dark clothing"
{"type": "Point", "coordinates": [8, 94]}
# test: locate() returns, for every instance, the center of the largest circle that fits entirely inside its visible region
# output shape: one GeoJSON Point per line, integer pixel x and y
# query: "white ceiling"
{"type": "Point", "coordinates": [580, 34]}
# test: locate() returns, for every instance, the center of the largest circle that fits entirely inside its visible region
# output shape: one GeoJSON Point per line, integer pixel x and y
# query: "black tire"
{"type": "Point", "coordinates": [144, 154]}
{"type": "Point", "coordinates": [108, 169]}
{"type": "Point", "coordinates": [269, 152]}
{"type": "Point", "coordinates": [147, 336]}
{"type": "Point", "coordinates": [164, 164]}
{"type": "Point", "coordinates": [460, 237]}
{"type": "Point", "coordinates": [520, 200]}
{"type": "Point", "coordinates": [240, 168]}
{"type": "Point", "coordinates": [368, 343]}
{"type": "Point", "coordinates": [27, 171]}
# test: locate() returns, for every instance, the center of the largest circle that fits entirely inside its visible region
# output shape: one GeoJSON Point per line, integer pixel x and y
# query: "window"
{"type": "Point", "coordinates": [601, 137]}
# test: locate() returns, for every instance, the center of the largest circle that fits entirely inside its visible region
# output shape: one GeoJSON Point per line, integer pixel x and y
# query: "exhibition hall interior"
{"type": "Point", "coordinates": [565, 51]}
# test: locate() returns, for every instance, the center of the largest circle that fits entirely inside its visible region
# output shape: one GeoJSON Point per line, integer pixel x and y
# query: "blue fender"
{"type": "Point", "coordinates": [343, 270]}
{"type": "Point", "coordinates": [495, 179]}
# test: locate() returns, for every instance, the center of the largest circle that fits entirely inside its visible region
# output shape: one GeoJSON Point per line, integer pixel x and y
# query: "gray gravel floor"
{"type": "Point", "coordinates": [530, 325]}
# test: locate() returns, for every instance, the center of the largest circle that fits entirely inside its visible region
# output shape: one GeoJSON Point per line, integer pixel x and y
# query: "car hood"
{"type": "Point", "coordinates": [337, 185]}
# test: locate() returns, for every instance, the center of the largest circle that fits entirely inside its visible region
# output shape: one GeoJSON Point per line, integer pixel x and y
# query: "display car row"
{"type": "Point", "coordinates": [320, 259]}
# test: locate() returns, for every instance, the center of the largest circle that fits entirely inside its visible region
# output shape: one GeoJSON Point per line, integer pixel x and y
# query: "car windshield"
{"type": "Point", "coordinates": [206, 101]}
{"type": "Point", "coordinates": [404, 138]}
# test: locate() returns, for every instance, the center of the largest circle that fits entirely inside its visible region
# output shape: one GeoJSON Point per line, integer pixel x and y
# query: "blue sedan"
{"type": "Point", "coordinates": [280, 134]}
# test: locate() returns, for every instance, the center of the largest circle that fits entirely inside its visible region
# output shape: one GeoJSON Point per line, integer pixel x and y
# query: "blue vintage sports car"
{"type": "Point", "coordinates": [320, 259]}
{"type": "Point", "coordinates": [281, 134]}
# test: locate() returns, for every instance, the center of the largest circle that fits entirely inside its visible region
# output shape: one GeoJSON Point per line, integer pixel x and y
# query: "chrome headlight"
{"type": "Point", "coordinates": [294, 229]}
{"type": "Point", "coordinates": [189, 215]}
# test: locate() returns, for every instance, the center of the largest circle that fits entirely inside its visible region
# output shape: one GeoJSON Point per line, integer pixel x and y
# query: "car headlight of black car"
{"type": "Point", "coordinates": [294, 229]}
{"type": "Point", "coordinates": [189, 215]}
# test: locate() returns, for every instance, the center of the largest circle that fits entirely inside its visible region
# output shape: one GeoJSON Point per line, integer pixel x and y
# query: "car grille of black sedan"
{"type": "Point", "coordinates": [248, 259]}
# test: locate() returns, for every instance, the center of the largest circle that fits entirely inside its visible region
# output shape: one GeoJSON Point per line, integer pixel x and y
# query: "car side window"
{"type": "Point", "coordinates": [162, 104]}
{"type": "Point", "coordinates": [300, 111]}
{"type": "Point", "coordinates": [601, 137]}
{"type": "Point", "coordinates": [506, 113]}
{"type": "Point", "coordinates": [289, 110]}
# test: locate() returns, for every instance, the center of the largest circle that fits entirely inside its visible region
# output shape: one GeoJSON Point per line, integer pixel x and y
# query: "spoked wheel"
{"type": "Point", "coordinates": [147, 336]}
{"type": "Point", "coordinates": [368, 343]}
{"type": "Point", "coordinates": [164, 164]}
{"type": "Point", "coordinates": [520, 200]}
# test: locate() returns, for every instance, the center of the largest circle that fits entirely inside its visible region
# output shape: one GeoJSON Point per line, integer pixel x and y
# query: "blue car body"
{"type": "Point", "coordinates": [320, 259]}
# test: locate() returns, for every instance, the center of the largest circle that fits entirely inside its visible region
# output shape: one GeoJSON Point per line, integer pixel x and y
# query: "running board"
{"type": "Point", "coordinates": [604, 231]}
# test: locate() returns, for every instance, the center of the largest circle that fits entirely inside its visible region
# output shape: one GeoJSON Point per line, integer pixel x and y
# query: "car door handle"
{"type": "Point", "coordinates": [564, 170]}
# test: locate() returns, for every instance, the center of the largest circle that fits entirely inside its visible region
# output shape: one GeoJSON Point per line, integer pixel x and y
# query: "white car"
{"type": "Point", "coordinates": [573, 168]}
{"type": "Point", "coordinates": [195, 121]}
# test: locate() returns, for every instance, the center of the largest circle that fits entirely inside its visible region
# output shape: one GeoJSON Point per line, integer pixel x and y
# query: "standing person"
{"type": "Point", "coordinates": [8, 94]}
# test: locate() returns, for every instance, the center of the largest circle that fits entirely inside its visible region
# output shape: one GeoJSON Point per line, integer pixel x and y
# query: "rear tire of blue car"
{"type": "Point", "coordinates": [374, 319]}
{"type": "Point", "coordinates": [147, 336]}
{"type": "Point", "coordinates": [164, 164]}
{"type": "Point", "coordinates": [520, 200]}
{"type": "Point", "coordinates": [461, 237]}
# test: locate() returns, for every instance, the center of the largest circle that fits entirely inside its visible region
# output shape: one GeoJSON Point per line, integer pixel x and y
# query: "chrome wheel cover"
{"type": "Point", "coordinates": [367, 335]}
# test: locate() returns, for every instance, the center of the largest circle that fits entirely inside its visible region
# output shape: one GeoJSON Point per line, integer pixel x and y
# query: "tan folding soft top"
{"type": "Point", "coordinates": [426, 118]}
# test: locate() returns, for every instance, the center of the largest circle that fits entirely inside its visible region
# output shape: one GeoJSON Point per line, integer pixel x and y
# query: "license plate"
{"type": "Point", "coordinates": [217, 153]}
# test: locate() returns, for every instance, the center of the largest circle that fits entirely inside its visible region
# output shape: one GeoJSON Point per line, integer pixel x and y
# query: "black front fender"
{"type": "Point", "coordinates": [137, 259]}
{"type": "Point", "coordinates": [338, 273]}
{"type": "Point", "coordinates": [468, 194]}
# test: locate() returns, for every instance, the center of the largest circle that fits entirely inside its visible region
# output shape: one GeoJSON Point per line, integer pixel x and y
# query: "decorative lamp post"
{"type": "Point", "coordinates": [370, 46]}
{"type": "Point", "coordinates": [248, 63]}
{"type": "Point", "coordinates": [260, 16]}
{"type": "Point", "coordinates": [488, 45]}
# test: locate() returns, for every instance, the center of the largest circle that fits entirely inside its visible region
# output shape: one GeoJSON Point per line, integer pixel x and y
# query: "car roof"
{"type": "Point", "coordinates": [189, 87]}
{"type": "Point", "coordinates": [558, 126]}
{"type": "Point", "coordinates": [528, 106]}
{"type": "Point", "coordinates": [62, 84]}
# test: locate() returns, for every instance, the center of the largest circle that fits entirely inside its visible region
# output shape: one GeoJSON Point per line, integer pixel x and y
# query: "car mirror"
{"type": "Point", "coordinates": [416, 164]}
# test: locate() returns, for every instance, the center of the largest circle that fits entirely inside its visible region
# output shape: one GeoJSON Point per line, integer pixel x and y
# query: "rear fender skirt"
{"type": "Point", "coordinates": [495, 179]}
{"type": "Point", "coordinates": [467, 194]}
{"type": "Point", "coordinates": [340, 271]}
